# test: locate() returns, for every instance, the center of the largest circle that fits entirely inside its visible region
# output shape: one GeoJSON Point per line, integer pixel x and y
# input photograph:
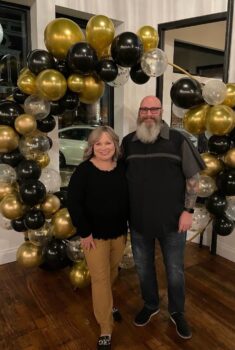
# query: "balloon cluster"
{"type": "Point", "coordinates": [208, 109]}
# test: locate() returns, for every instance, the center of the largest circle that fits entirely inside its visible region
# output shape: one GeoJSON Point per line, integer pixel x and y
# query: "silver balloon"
{"type": "Point", "coordinates": [230, 211]}
{"type": "Point", "coordinates": [127, 259]}
{"type": "Point", "coordinates": [201, 218]}
{"type": "Point", "coordinates": [178, 112]}
{"type": "Point", "coordinates": [41, 236]}
{"type": "Point", "coordinates": [74, 249]}
{"type": "Point", "coordinates": [5, 223]}
{"type": "Point", "coordinates": [122, 77]}
{"type": "Point", "coordinates": [37, 106]}
{"type": "Point", "coordinates": [214, 92]}
{"type": "Point", "coordinates": [7, 173]}
{"type": "Point", "coordinates": [51, 179]}
{"type": "Point", "coordinates": [207, 186]}
{"type": "Point", "coordinates": [154, 62]}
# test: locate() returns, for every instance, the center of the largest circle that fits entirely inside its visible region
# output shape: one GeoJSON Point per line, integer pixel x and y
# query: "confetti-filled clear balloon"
{"type": "Point", "coordinates": [5, 223]}
{"type": "Point", "coordinates": [154, 62]}
{"type": "Point", "coordinates": [74, 250]}
{"type": "Point", "coordinates": [41, 236]}
{"type": "Point", "coordinates": [7, 173]}
{"type": "Point", "coordinates": [127, 259]}
{"type": "Point", "coordinates": [37, 106]}
{"type": "Point", "coordinates": [201, 218]}
{"type": "Point", "coordinates": [51, 179]}
{"type": "Point", "coordinates": [207, 186]}
{"type": "Point", "coordinates": [34, 143]}
{"type": "Point", "coordinates": [65, 177]}
{"type": "Point", "coordinates": [230, 211]}
{"type": "Point", "coordinates": [122, 77]}
{"type": "Point", "coordinates": [178, 112]}
{"type": "Point", "coordinates": [214, 92]}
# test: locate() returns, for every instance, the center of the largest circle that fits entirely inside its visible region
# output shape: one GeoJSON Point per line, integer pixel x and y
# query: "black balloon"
{"type": "Point", "coordinates": [50, 142]}
{"type": "Point", "coordinates": [127, 49]}
{"type": "Point", "coordinates": [47, 124]}
{"type": "Point", "coordinates": [62, 67]}
{"type": "Point", "coordinates": [32, 192]}
{"type": "Point", "coordinates": [137, 75]}
{"type": "Point", "coordinates": [219, 144]}
{"type": "Point", "coordinates": [216, 204]}
{"type": "Point", "coordinates": [34, 219]}
{"type": "Point", "coordinates": [62, 195]}
{"type": "Point", "coordinates": [9, 111]}
{"type": "Point", "coordinates": [70, 101]}
{"type": "Point", "coordinates": [55, 255]}
{"type": "Point", "coordinates": [19, 96]}
{"type": "Point", "coordinates": [82, 58]}
{"type": "Point", "coordinates": [223, 226]}
{"type": "Point", "coordinates": [28, 169]}
{"type": "Point", "coordinates": [18, 224]}
{"type": "Point", "coordinates": [186, 93]}
{"type": "Point", "coordinates": [56, 108]}
{"type": "Point", "coordinates": [232, 134]}
{"type": "Point", "coordinates": [226, 182]}
{"type": "Point", "coordinates": [107, 70]}
{"type": "Point", "coordinates": [39, 60]}
{"type": "Point", "coordinates": [12, 158]}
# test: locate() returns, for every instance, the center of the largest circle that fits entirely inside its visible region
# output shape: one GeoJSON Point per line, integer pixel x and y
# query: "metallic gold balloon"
{"type": "Point", "coordinates": [79, 275]}
{"type": "Point", "coordinates": [62, 225]}
{"type": "Point", "coordinates": [106, 53]}
{"type": "Point", "coordinates": [50, 205]}
{"type": "Point", "coordinates": [10, 98]}
{"type": "Point", "coordinates": [29, 255]}
{"type": "Point", "coordinates": [194, 120]}
{"type": "Point", "coordinates": [75, 82]}
{"type": "Point", "coordinates": [11, 207]}
{"type": "Point", "coordinates": [230, 95]}
{"type": "Point", "coordinates": [60, 34]}
{"type": "Point", "coordinates": [100, 33]}
{"type": "Point", "coordinates": [213, 164]}
{"type": "Point", "coordinates": [26, 83]}
{"type": "Point", "coordinates": [149, 37]}
{"type": "Point", "coordinates": [25, 124]}
{"type": "Point", "coordinates": [93, 89]}
{"type": "Point", "coordinates": [42, 159]}
{"type": "Point", "coordinates": [220, 120]}
{"type": "Point", "coordinates": [51, 84]}
{"type": "Point", "coordinates": [9, 139]}
{"type": "Point", "coordinates": [6, 188]}
{"type": "Point", "coordinates": [229, 158]}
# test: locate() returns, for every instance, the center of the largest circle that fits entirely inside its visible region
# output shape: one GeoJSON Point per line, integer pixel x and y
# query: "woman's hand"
{"type": "Point", "coordinates": [88, 242]}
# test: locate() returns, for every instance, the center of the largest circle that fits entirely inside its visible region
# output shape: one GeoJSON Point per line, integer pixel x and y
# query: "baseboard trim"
{"type": "Point", "coordinates": [8, 255]}
{"type": "Point", "coordinates": [226, 251]}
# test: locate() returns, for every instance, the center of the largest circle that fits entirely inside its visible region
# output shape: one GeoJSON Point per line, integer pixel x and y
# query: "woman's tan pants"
{"type": "Point", "coordinates": [103, 266]}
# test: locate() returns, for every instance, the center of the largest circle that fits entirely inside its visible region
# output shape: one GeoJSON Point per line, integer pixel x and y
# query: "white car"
{"type": "Point", "coordinates": [73, 142]}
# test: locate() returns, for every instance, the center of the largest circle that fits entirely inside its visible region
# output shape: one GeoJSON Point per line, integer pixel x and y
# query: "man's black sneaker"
{"type": "Point", "coordinates": [116, 315]}
{"type": "Point", "coordinates": [104, 342]}
{"type": "Point", "coordinates": [182, 327]}
{"type": "Point", "coordinates": [144, 316]}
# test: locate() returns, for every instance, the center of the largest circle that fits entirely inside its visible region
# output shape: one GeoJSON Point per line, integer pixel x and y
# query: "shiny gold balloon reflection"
{"type": "Point", "coordinates": [11, 207]}
{"type": "Point", "coordinates": [194, 120]}
{"type": "Point", "coordinates": [93, 89]}
{"type": "Point", "coordinates": [51, 84]}
{"type": "Point", "coordinates": [50, 205]}
{"type": "Point", "coordinates": [42, 159]}
{"type": "Point", "coordinates": [29, 255]}
{"type": "Point", "coordinates": [75, 82]}
{"type": "Point", "coordinates": [27, 83]}
{"type": "Point", "coordinates": [149, 37]}
{"type": "Point", "coordinates": [106, 53]}
{"type": "Point", "coordinates": [100, 33]}
{"type": "Point", "coordinates": [213, 164]}
{"type": "Point", "coordinates": [9, 139]}
{"type": "Point", "coordinates": [25, 124]}
{"type": "Point", "coordinates": [60, 34]}
{"type": "Point", "coordinates": [230, 95]}
{"type": "Point", "coordinates": [62, 225]}
{"type": "Point", "coordinates": [6, 188]}
{"type": "Point", "coordinates": [220, 120]}
{"type": "Point", "coordinates": [229, 158]}
{"type": "Point", "coordinates": [79, 275]}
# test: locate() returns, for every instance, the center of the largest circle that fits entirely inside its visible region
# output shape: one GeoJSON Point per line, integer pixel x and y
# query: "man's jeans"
{"type": "Point", "coordinates": [172, 246]}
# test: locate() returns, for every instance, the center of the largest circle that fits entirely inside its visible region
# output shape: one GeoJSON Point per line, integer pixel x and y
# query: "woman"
{"type": "Point", "coordinates": [98, 206]}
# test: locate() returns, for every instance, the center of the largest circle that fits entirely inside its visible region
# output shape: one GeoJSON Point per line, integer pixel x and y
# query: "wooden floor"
{"type": "Point", "coordinates": [40, 310]}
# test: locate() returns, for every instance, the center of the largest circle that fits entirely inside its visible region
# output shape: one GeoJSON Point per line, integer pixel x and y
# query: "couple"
{"type": "Point", "coordinates": [155, 189]}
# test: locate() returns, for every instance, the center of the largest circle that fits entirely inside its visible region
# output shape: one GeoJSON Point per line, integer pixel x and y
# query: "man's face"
{"type": "Point", "coordinates": [150, 111]}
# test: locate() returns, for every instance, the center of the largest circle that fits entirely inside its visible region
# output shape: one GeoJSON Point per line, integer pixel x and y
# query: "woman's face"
{"type": "Point", "coordinates": [104, 148]}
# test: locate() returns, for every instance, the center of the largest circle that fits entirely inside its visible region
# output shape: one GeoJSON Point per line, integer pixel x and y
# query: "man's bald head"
{"type": "Point", "coordinates": [150, 101]}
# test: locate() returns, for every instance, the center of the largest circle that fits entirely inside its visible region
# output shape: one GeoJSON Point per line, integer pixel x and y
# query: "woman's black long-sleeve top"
{"type": "Point", "coordinates": [98, 201]}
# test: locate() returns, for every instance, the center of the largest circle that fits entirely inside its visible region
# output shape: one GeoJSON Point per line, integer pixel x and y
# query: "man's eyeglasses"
{"type": "Point", "coordinates": [153, 110]}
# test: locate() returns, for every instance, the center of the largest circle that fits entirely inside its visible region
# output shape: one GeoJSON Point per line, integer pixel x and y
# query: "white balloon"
{"type": "Point", "coordinates": [1, 33]}
{"type": "Point", "coordinates": [51, 179]}
{"type": "Point", "coordinates": [154, 62]}
{"type": "Point", "coordinates": [214, 92]}
{"type": "Point", "coordinates": [178, 112]}
{"type": "Point", "coordinates": [122, 77]}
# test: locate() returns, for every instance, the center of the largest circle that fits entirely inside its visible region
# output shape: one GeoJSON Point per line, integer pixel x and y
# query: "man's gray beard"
{"type": "Point", "coordinates": [148, 134]}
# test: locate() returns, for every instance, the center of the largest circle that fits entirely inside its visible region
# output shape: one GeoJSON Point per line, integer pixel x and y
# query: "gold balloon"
{"type": "Point", "coordinates": [11, 207]}
{"type": "Point", "coordinates": [194, 120]}
{"type": "Point", "coordinates": [213, 164]}
{"type": "Point", "coordinates": [50, 205]}
{"type": "Point", "coordinates": [93, 89]}
{"type": "Point", "coordinates": [9, 139]}
{"type": "Point", "coordinates": [106, 53]}
{"type": "Point", "coordinates": [6, 188]}
{"type": "Point", "coordinates": [149, 37]}
{"type": "Point", "coordinates": [75, 82]}
{"type": "Point", "coordinates": [230, 95]}
{"type": "Point", "coordinates": [229, 158]}
{"type": "Point", "coordinates": [42, 159]}
{"type": "Point", "coordinates": [25, 124]}
{"type": "Point", "coordinates": [220, 120]}
{"type": "Point", "coordinates": [51, 84]}
{"type": "Point", "coordinates": [100, 33]}
{"type": "Point", "coordinates": [62, 225]}
{"type": "Point", "coordinates": [79, 275]}
{"type": "Point", "coordinates": [29, 255]}
{"type": "Point", "coordinates": [60, 34]}
{"type": "Point", "coordinates": [26, 83]}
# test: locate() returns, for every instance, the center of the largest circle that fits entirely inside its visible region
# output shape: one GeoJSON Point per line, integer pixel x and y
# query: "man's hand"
{"type": "Point", "coordinates": [185, 221]}
{"type": "Point", "coordinates": [88, 242]}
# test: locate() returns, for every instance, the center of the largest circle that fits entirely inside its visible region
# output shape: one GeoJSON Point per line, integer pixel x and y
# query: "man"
{"type": "Point", "coordinates": [162, 172]}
